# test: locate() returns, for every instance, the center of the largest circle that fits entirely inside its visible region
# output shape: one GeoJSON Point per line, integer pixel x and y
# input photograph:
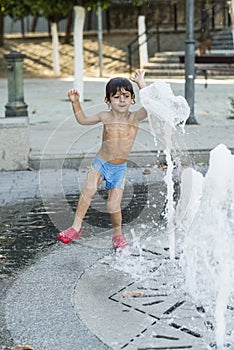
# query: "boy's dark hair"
{"type": "Point", "coordinates": [117, 84]}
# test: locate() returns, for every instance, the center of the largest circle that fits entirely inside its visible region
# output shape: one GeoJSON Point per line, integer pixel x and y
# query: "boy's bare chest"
{"type": "Point", "coordinates": [119, 131]}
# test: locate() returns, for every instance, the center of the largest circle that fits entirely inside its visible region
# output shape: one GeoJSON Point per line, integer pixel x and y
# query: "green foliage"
{"type": "Point", "coordinates": [232, 107]}
{"type": "Point", "coordinates": [106, 3]}
{"type": "Point", "coordinates": [55, 10]}
{"type": "Point", "coordinates": [15, 8]}
{"type": "Point", "coordinates": [2, 7]}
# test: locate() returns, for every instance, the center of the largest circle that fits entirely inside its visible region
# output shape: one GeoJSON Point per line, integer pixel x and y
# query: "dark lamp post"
{"type": "Point", "coordinates": [190, 60]}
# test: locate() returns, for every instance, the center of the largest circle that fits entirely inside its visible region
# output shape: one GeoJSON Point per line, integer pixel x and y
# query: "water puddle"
{"type": "Point", "coordinates": [27, 231]}
{"type": "Point", "coordinates": [24, 232]}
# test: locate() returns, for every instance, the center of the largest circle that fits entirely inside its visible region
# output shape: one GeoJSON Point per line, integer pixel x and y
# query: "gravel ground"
{"type": "Point", "coordinates": [38, 51]}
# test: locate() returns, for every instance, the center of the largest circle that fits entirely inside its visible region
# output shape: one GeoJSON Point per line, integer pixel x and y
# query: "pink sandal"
{"type": "Point", "coordinates": [69, 235]}
{"type": "Point", "coordinates": [119, 241]}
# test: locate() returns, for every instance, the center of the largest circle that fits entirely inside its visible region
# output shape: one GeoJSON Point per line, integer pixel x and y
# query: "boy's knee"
{"type": "Point", "coordinates": [113, 206]}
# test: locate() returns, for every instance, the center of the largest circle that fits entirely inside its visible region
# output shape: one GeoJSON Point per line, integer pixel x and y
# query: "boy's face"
{"type": "Point", "coordinates": [121, 101]}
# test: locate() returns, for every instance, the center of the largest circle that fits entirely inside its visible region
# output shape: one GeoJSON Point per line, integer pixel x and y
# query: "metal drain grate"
{"type": "Point", "coordinates": [150, 312]}
{"type": "Point", "coordinates": [173, 334]}
{"type": "Point", "coordinates": [176, 323]}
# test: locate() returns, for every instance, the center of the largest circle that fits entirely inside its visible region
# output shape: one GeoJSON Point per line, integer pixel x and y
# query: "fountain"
{"type": "Point", "coordinates": [167, 113]}
{"type": "Point", "coordinates": [203, 220]}
{"type": "Point", "coordinates": [207, 228]}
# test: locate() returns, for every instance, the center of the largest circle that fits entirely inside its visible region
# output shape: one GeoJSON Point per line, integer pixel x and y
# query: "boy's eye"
{"type": "Point", "coordinates": [124, 95]}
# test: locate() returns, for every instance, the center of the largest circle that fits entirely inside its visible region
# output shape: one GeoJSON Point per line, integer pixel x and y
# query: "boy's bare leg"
{"type": "Point", "coordinates": [114, 207]}
{"type": "Point", "coordinates": [89, 189]}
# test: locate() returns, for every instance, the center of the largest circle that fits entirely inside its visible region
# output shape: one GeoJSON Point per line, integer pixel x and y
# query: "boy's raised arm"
{"type": "Point", "coordinates": [82, 119]}
{"type": "Point", "coordinates": [139, 79]}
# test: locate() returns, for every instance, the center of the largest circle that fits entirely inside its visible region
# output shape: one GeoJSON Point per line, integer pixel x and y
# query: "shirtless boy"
{"type": "Point", "coordinates": [120, 127]}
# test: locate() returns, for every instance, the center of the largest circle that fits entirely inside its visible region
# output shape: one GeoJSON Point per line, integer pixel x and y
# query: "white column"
{"type": "Point", "coordinates": [55, 49]}
{"type": "Point", "coordinates": [100, 39]}
{"type": "Point", "coordinates": [78, 50]}
{"type": "Point", "coordinates": [232, 19]}
{"type": "Point", "coordinates": [142, 41]}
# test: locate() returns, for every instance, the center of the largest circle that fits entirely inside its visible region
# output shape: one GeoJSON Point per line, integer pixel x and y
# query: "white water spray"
{"type": "Point", "coordinates": [205, 212]}
{"type": "Point", "coordinates": [203, 220]}
{"type": "Point", "coordinates": [208, 229]}
{"type": "Point", "coordinates": [165, 112]}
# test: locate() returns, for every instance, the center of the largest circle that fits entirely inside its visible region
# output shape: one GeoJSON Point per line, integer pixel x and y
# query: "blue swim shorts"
{"type": "Point", "coordinates": [113, 174]}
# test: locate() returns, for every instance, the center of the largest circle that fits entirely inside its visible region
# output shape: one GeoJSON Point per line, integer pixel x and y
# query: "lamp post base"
{"type": "Point", "coordinates": [16, 109]}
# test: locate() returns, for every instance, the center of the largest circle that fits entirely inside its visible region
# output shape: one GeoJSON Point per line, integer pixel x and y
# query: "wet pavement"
{"type": "Point", "coordinates": [28, 233]}
{"type": "Point", "coordinates": [83, 296]}
{"type": "Point", "coordinates": [25, 234]}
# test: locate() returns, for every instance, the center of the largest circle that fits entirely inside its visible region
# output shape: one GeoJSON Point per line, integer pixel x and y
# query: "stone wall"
{"type": "Point", "coordinates": [14, 143]}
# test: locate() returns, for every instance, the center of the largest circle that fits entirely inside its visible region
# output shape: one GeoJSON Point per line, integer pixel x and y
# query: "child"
{"type": "Point", "coordinates": [119, 131]}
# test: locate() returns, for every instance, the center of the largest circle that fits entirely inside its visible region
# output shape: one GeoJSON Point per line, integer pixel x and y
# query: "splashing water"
{"type": "Point", "coordinates": [136, 242]}
{"type": "Point", "coordinates": [167, 115]}
{"type": "Point", "coordinates": [204, 216]}
{"type": "Point", "coordinates": [203, 220]}
{"type": "Point", "coordinates": [207, 228]}
{"type": "Point", "coordinates": [165, 112]}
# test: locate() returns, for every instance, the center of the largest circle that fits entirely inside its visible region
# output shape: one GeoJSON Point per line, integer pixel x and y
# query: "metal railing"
{"type": "Point", "coordinates": [205, 22]}
{"type": "Point", "coordinates": [153, 31]}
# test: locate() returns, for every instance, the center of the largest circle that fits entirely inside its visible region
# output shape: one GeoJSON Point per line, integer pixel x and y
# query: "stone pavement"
{"type": "Point", "coordinates": [54, 133]}
{"type": "Point", "coordinates": [83, 296]}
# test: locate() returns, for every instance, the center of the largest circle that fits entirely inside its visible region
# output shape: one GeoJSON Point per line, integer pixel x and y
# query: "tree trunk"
{"type": "Point", "coordinates": [22, 27]}
{"type": "Point", "coordinates": [34, 24]}
{"type": "Point", "coordinates": [108, 22]}
{"type": "Point", "coordinates": [1, 30]}
{"type": "Point", "coordinates": [78, 50]}
{"type": "Point", "coordinates": [69, 28]}
{"type": "Point", "coordinates": [55, 48]}
{"type": "Point", "coordinates": [89, 20]}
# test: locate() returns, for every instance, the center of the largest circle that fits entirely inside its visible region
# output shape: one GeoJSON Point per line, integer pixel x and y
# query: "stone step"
{"type": "Point", "coordinates": [164, 65]}
{"type": "Point", "coordinates": [227, 39]}
{"type": "Point", "coordinates": [222, 40]}
{"type": "Point", "coordinates": [165, 59]}
{"type": "Point", "coordinates": [181, 73]}
{"type": "Point", "coordinates": [221, 35]}
{"type": "Point", "coordinates": [164, 72]}
{"type": "Point", "coordinates": [222, 46]}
